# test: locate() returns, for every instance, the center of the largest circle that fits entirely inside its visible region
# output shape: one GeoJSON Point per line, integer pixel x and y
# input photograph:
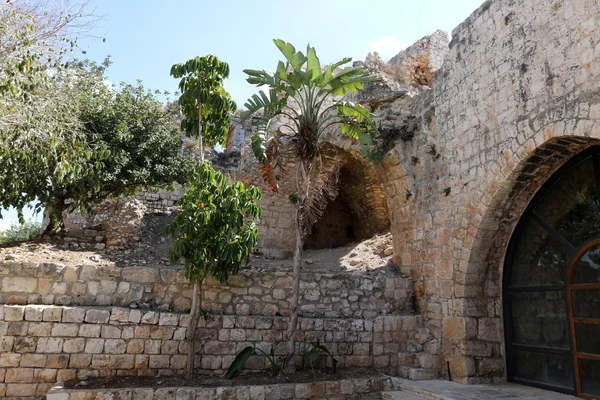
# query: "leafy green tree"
{"type": "Point", "coordinates": [306, 99]}
{"type": "Point", "coordinates": [132, 140]}
{"type": "Point", "coordinates": [214, 233]}
{"type": "Point", "coordinates": [40, 144]}
{"type": "Point", "coordinates": [206, 107]}
{"type": "Point", "coordinates": [205, 104]}
{"type": "Point", "coordinates": [20, 232]}
{"type": "Point", "coordinates": [67, 139]}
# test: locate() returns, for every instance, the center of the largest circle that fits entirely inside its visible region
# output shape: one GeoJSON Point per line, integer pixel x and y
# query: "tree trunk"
{"type": "Point", "coordinates": [196, 301]}
{"type": "Point", "coordinates": [297, 264]}
{"type": "Point", "coordinates": [191, 331]}
{"type": "Point", "coordinates": [200, 142]}
{"type": "Point", "coordinates": [56, 218]}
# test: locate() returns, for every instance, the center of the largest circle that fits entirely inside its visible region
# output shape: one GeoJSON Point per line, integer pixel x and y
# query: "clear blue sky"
{"type": "Point", "coordinates": [146, 37]}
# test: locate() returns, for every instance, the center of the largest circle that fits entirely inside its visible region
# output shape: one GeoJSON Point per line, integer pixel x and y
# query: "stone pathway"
{"type": "Point", "coordinates": [444, 390]}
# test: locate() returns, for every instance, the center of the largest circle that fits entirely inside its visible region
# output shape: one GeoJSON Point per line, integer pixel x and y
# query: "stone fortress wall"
{"type": "Point", "coordinates": [475, 127]}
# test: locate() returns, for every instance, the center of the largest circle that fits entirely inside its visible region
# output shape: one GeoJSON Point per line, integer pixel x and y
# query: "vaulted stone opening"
{"type": "Point", "coordinates": [358, 212]}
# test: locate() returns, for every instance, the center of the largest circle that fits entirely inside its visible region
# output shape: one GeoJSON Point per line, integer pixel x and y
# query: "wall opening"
{"type": "Point", "coordinates": [357, 213]}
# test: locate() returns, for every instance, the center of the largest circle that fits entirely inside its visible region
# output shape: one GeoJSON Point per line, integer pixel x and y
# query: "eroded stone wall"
{"type": "Point", "coordinates": [116, 225]}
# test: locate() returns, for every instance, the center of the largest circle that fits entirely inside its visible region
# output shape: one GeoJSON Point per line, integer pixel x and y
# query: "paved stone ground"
{"type": "Point", "coordinates": [444, 390]}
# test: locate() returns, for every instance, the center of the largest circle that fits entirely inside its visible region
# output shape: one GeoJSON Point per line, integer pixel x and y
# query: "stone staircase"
{"type": "Point", "coordinates": [418, 367]}
{"type": "Point", "coordinates": [417, 373]}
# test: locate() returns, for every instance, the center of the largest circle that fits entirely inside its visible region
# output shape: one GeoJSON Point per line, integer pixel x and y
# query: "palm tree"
{"type": "Point", "coordinates": [307, 100]}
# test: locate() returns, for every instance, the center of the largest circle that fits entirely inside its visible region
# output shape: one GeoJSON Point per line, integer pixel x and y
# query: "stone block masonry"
{"type": "Point", "coordinates": [40, 345]}
{"type": "Point", "coordinates": [252, 292]}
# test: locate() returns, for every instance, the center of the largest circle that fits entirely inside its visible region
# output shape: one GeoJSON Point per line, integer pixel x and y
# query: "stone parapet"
{"type": "Point", "coordinates": [346, 389]}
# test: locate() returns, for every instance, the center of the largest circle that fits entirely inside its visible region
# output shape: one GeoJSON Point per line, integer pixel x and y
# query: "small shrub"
{"type": "Point", "coordinates": [313, 351]}
{"type": "Point", "coordinates": [275, 363]}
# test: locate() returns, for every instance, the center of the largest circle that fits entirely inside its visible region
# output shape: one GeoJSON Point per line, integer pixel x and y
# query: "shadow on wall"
{"type": "Point", "coordinates": [153, 239]}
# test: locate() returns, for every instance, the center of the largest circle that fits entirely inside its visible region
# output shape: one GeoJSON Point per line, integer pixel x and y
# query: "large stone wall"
{"type": "Point", "coordinates": [40, 345]}
{"type": "Point", "coordinates": [516, 96]}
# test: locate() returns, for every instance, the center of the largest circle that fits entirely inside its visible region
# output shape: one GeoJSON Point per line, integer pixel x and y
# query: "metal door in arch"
{"type": "Point", "coordinates": [551, 284]}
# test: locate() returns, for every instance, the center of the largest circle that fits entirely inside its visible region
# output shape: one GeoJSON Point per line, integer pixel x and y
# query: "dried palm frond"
{"type": "Point", "coordinates": [323, 178]}
{"type": "Point", "coordinates": [267, 170]}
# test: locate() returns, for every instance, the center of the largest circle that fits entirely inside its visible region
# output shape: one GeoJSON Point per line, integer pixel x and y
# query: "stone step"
{"type": "Point", "coordinates": [416, 373]}
{"type": "Point", "coordinates": [400, 395]}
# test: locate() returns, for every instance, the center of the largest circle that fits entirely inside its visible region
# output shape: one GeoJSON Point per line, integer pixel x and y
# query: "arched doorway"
{"type": "Point", "coordinates": [552, 283]}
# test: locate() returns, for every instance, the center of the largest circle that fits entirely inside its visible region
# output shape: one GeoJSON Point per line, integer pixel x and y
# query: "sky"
{"type": "Point", "coordinates": [146, 37]}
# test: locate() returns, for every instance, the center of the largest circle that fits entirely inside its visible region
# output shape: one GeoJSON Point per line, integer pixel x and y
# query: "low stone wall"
{"type": "Point", "coordinates": [348, 389]}
{"type": "Point", "coordinates": [335, 295]}
{"type": "Point", "coordinates": [251, 292]}
{"type": "Point", "coordinates": [40, 345]}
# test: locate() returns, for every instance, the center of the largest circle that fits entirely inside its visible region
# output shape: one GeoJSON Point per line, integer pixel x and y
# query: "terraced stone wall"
{"type": "Point", "coordinates": [40, 345]}
{"type": "Point", "coordinates": [252, 292]}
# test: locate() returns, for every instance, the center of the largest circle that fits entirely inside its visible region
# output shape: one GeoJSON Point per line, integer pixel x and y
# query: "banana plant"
{"type": "Point", "coordinates": [307, 101]}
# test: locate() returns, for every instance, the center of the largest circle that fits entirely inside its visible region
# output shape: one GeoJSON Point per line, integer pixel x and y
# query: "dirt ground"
{"type": "Point", "coordinates": [251, 379]}
{"type": "Point", "coordinates": [370, 254]}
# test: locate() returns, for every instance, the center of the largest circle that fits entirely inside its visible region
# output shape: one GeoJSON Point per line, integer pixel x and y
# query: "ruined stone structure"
{"type": "Point", "coordinates": [487, 164]}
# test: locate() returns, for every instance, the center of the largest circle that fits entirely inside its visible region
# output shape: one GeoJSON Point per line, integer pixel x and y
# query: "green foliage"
{"type": "Point", "coordinates": [40, 141]}
{"type": "Point", "coordinates": [432, 151]}
{"type": "Point", "coordinates": [408, 195]}
{"type": "Point", "coordinates": [303, 97]}
{"type": "Point", "coordinates": [130, 139]}
{"type": "Point", "coordinates": [201, 84]}
{"type": "Point", "coordinates": [66, 134]}
{"type": "Point", "coordinates": [375, 155]}
{"type": "Point", "coordinates": [20, 232]}
{"type": "Point", "coordinates": [215, 229]}
{"type": "Point", "coordinates": [303, 92]}
{"type": "Point", "coordinates": [313, 350]}
{"type": "Point", "coordinates": [447, 191]}
{"type": "Point", "coordinates": [275, 363]}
